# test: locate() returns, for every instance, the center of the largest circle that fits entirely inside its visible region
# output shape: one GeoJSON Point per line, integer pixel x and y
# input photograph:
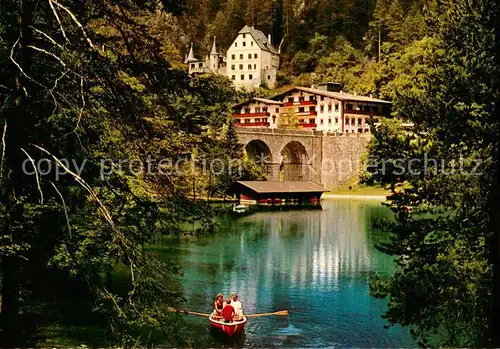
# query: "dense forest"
{"type": "Point", "coordinates": [356, 42]}
{"type": "Point", "coordinates": [85, 83]}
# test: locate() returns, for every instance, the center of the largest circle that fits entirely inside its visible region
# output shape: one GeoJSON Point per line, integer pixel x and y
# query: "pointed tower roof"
{"type": "Point", "coordinates": [214, 48]}
{"type": "Point", "coordinates": [191, 57]}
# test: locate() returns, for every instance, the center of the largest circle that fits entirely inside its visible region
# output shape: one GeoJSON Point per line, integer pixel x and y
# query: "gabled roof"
{"type": "Point", "coordinates": [260, 38]}
{"type": "Point", "coordinates": [283, 187]}
{"type": "Point", "coordinates": [257, 99]}
{"type": "Point", "coordinates": [341, 96]}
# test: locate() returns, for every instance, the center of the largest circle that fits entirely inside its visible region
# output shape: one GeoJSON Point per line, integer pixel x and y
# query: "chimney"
{"type": "Point", "coordinates": [371, 95]}
{"type": "Point", "coordinates": [355, 94]}
{"type": "Point", "coordinates": [269, 38]}
{"type": "Point", "coordinates": [341, 92]}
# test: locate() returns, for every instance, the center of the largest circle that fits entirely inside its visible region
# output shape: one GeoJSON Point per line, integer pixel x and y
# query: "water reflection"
{"type": "Point", "coordinates": [314, 263]}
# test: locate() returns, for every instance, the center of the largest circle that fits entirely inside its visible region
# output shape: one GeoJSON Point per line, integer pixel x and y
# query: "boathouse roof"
{"type": "Point", "coordinates": [283, 187]}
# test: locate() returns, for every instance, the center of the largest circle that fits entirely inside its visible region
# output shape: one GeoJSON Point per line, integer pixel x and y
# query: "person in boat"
{"type": "Point", "coordinates": [218, 305]}
{"type": "Point", "coordinates": [228, 311]}
{"type": "Point", "coordinates": [236, 304]}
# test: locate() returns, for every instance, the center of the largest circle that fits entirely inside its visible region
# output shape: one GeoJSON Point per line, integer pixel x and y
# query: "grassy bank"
{"type": "Point", "coordinates": [355, 188]}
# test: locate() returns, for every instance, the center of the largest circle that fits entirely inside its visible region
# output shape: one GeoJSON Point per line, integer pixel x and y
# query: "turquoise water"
{"type": "Point", "coordinates": [315, 263]}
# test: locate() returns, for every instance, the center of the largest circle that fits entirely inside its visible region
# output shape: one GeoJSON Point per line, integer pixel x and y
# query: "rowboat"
{"type": "Point", "coordinates": [229, 328]}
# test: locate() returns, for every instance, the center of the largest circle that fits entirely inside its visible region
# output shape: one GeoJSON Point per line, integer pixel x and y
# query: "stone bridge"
{"type": "Point", "coordinates": [327, 159]}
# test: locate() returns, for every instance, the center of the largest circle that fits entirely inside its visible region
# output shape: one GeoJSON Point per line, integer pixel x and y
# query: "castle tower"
{"type": "Point", "coordinates": [214, 59]}
{"type": "Point", "coordinates": [190, 59]}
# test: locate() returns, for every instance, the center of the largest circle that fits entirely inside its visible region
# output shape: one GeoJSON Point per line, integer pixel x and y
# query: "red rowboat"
{"type": "Point", "coordinates": [229, 328]}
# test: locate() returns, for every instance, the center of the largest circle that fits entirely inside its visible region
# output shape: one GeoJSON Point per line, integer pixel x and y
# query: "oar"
{"type": "Point", "coordinates": [281, 312]}
{"type": "Point", "coordinates": [188, 312]}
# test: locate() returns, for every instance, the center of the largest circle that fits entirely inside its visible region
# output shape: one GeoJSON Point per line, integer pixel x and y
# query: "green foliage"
{"type": "Point", "coordinates": [445, 240]}
{"type": "Point", "coordinates": [97, 90]}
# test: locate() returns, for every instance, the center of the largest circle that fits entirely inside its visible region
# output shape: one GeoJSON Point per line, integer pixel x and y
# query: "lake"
{"type": "Point", "coordinates": [315, 263]}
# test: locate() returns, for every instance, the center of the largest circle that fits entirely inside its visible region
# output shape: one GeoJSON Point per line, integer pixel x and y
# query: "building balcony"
{"type": "Point", "coordinates": [307, 125]}
{"type": "Point", "coordinates": [251, 124]}
{"type": "Point", "coordinates": [307, 112]}
{"type": "Point", "coordinates": [290, 104]}
{"type": "Point", "coordinates": [363, 112]}
{"type": "Point", "coordinates": [250, 115]}
{"type": "Point", "coordinates": [308, 102]}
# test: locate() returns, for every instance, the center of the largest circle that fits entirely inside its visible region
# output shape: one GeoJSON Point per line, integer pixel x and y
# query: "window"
{"type": "Point", "coordinates": [269, 77]}
{"type": "Point", "coordinates": [192, 65]}
{"type": "Point", "coordinates": [249, 67]}
{"type": "Point", "coordinates": [257, 120]}
{"type": "Point", "coordinates": [321, 121]}
{"type": "Point", "coordinates": [322, 98]}
{"type": "Point", "coordinates": [200, 65]}
{"type": "Point", "coordinates": [353, 121]}
{"type": "Point", "coordinates": [250, 77]}
{"type": "Point", "coordinates": [352, 131]}
{"type": "Point", "coordinates": [301, 109]}
{"type": "Point", "coordinates": [360, 122]}
{"type": "Point", "coordinates": [244, 43]}
{"type": "Point", "coordinates": [336, 107]}
{"type": "Point", "coordinates": [336, 120]}
{"type": "Point", "coordinates": [367, 130]}
{"type": "Point", "coordinates": [257, 109]}
{"type": "Point", "coordinates": [241, 66]}
{"type": "Point", "coordinates": [247, 121]}
{"type": "Point", "coordinates": [301, 99]}
{"type": "Point", "coordinates": [244, 36]}
{"type": "Point", "coordinates": [235, 44]}
{"type": "Point", "coordinates": [264, 120]}
{"type": "Point", "coordinates": [329, 107]}
{"type": "Point", "coordinates": [255, 56]}
{"type": "Point", "coordinates": [233, 77]}
{"type": "Point", "coordinates": [349, 107]}
{"type": "Point", "coordinates": [247, 110]}
{"type": "Point", "coordinates": [311, 121]}
{"type": "Point", "coordinates": [233, 57]}
{"type": "Point", "coordinates": [251, 43]}
{"type": "Point", "coordinates": [329, 121]}
{"type": "Point", "coordinates": [255, 66]}
{"type": "Point", "coordinates": [347, 121]}
{"type": "Point", "coordinates": [277, 110]}
{"type": "Point", "coordinates": [311, 98]}
{"type": "Point", "coordinates": [322, 109]}
{"type": "Point", "coordinates": [241, 56]}
{"type": "Point", "coordinates": [311, 108]}
{"type": "Point", "coordinates": [264, 109]}
{"type": "Point", "coordinates": [242, 77]}
{"type": "Point", "coordinates": [233, 67]}
{"type": "Point", "coordinates": [274, 119]}
{"type": "Point", "coordinates": [290, 99]}
{"type": "Point", "coordinates": [249, 56]}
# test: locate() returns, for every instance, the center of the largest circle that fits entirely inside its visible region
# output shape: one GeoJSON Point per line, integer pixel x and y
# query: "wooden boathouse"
{"type": "Point", "coordinates": [277, 192]}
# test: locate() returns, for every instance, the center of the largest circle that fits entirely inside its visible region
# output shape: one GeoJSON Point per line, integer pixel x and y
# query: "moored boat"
{"type": "Point", "coordinates": [229, 328]}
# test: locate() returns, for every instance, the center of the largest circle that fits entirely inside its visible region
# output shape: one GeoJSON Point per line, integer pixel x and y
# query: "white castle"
{"type": "Point", "coordinates": [250, 61]}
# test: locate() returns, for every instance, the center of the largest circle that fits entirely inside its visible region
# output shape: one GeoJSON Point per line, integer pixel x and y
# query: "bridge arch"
{"type": "Point", "coordinates": [260, 153]}
{"type": "Point", "coordinates": [294, 164]}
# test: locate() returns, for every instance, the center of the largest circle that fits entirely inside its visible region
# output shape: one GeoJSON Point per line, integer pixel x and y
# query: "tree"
{"type": "Point", "coordinates": [447, 276]}
{"type": "Point", "coordinates": [96, 100]}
